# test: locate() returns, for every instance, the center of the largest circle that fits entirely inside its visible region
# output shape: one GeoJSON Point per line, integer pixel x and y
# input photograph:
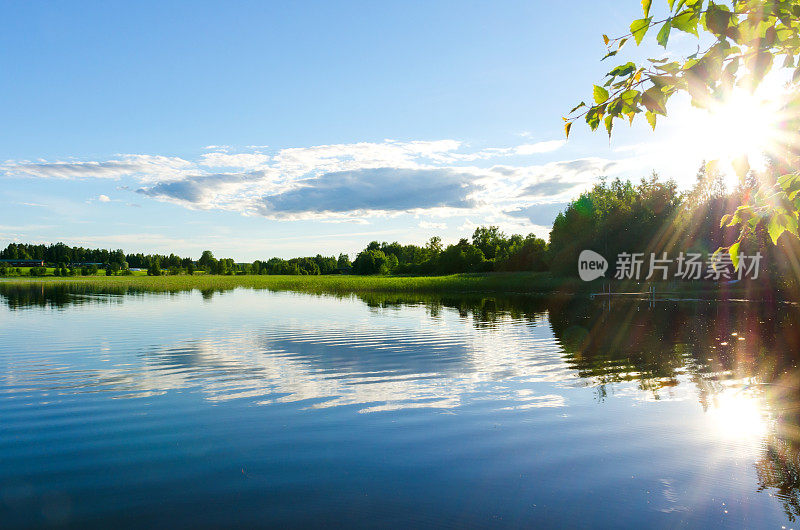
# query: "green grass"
{"type": "Point", "coordinates": [510, 283]}
{"type": "Point", "coordinates": [27, 270]}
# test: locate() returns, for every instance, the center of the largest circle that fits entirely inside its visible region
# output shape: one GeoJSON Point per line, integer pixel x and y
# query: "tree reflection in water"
{"type": "Point", "coordinates": [753, 346]}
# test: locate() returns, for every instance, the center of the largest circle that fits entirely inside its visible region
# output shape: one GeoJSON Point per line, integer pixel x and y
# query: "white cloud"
{"type": "Point", "coordinates": [428, 225]}
{"type": "Point", "coordinates": [320, 159]}
{"type": "Point", "coordinates": [240, 160]}
{"type": "Point", "coordinates": [467, 226]}
{"type": "Point", "coordinates": [146, 168]}
{"type": "Point", "coordinates": [501, 152]}
{"type": "Point", "coordinates": [540, 147]}
{"type": "Point", "coordinates": [346, 182]}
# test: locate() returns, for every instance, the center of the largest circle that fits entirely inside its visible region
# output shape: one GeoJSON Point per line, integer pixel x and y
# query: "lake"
{"type": "Point", "coordinates": [252, 407]}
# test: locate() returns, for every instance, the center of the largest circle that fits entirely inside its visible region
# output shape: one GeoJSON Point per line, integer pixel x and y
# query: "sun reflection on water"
{"type": "Point", "coordinates": [738, 414]}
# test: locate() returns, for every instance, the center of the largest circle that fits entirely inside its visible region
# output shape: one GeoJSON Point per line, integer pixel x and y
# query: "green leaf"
{"type": "Point", "coordinates": [615, 108]}
{"type": "Point", "coordinates": [686, 21]}
{"type": "Point", "coordinates": [646, 7]}
{"type": "Point", "coordinates": [770, 36]}
{"type": "Point", "coordinates": [734, 253]}
{"type": "Point", "coordinates": [741, 166]}
{"type": "Point", "coordinates": [600, 94]}
{"type": "Point", "coordinates": [639, 28]}
{"type": "Point", "coordinates": [609, 54]}
{"type": "Point", "coordinates": [790, 222]}
{"type": "Point", "coordinates": [629, 96]}
{"type": "Point", "coordinates": [724, 220]}
{"type": "Point", "coordinates": [622, 70]}
{"type": "Point", "coordinates": [741, 215]}
{"type": "Point", "coordinates": [654, 100]}
{"type": "Point", "coordinates": [651, 119]}
{"type": "Point", "coordinates": [609, 125]}
{"type": "Point", "coordinates": [593, 119]}
{"type": "Point", "coordinates": [717, 19]}
{"type": "Point", "coordinates": [775, 229]}
{"type": "Point", "coordinates": [579, 105]}
{"type": "Point", "coordinates": [789, 182]}
{"type": "Point", "coordinates": [796, 75]}
{"type": "Point", "coordinates": [759, 64]}
{"type": "Point", "coordinates": [663, 34]}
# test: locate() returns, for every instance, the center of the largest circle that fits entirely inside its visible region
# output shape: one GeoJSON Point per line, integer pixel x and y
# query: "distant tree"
{"type": "Point", "coordinates": [224, 266]}
{"type": "Point", "coordinates": [529, 254]}
{"type": "Point", "coordinates": [155, 268]}
{"type": "Point", "coordinates": [489, 239]}
{"type": "Point", "coordinates": [305, 266]}
{"type": "Point", "coordinates": [434, 245]}
{"type": "Point", "coordinates": [190, 269]}
{"type": "Point", "coordinates": [461, 257]}
{"type": "Point", "coordinates": [370, 262]}
{"type": "Point", "coordinates": [207, 261]}
{"type": "Point", "coordinates": [613, 218]}
{"type": "Point", "coordinates": [343, 262]}
{"type": "Point", "coordinates": [326, 264]}
{"type": "Point", "coordinates": [281, 266]}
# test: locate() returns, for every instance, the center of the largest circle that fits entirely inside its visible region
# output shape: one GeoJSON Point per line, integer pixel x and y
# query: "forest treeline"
{"type": "Point", "coordinates": [488, 250]}
{"type": "Point", "coordinates": [651, 216]}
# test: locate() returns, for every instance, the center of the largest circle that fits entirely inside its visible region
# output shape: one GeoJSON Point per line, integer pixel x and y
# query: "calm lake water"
{"type": "Point", "coordinates": [248, 407]}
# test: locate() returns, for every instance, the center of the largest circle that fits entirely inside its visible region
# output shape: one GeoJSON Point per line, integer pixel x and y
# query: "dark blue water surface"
{"type": "Point", "coordinates": [257, 408]}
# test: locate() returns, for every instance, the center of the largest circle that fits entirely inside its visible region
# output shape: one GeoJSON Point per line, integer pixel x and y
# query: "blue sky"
{"type": "Point", "coordinates": [262, 129]}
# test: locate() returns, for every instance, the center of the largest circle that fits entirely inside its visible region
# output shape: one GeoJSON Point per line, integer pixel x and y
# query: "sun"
{"type": "Point", "coordinates": [742, 123]}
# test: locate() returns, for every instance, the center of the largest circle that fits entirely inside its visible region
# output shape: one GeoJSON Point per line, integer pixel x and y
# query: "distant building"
{"type": "Point", "coordinates": [21, 263]}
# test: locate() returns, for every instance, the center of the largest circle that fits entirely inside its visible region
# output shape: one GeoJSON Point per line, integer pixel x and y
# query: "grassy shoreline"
{"type": "Point", "coordinates": [500, 283]}
{"type": "Point", "coordinates": [494, 283]}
